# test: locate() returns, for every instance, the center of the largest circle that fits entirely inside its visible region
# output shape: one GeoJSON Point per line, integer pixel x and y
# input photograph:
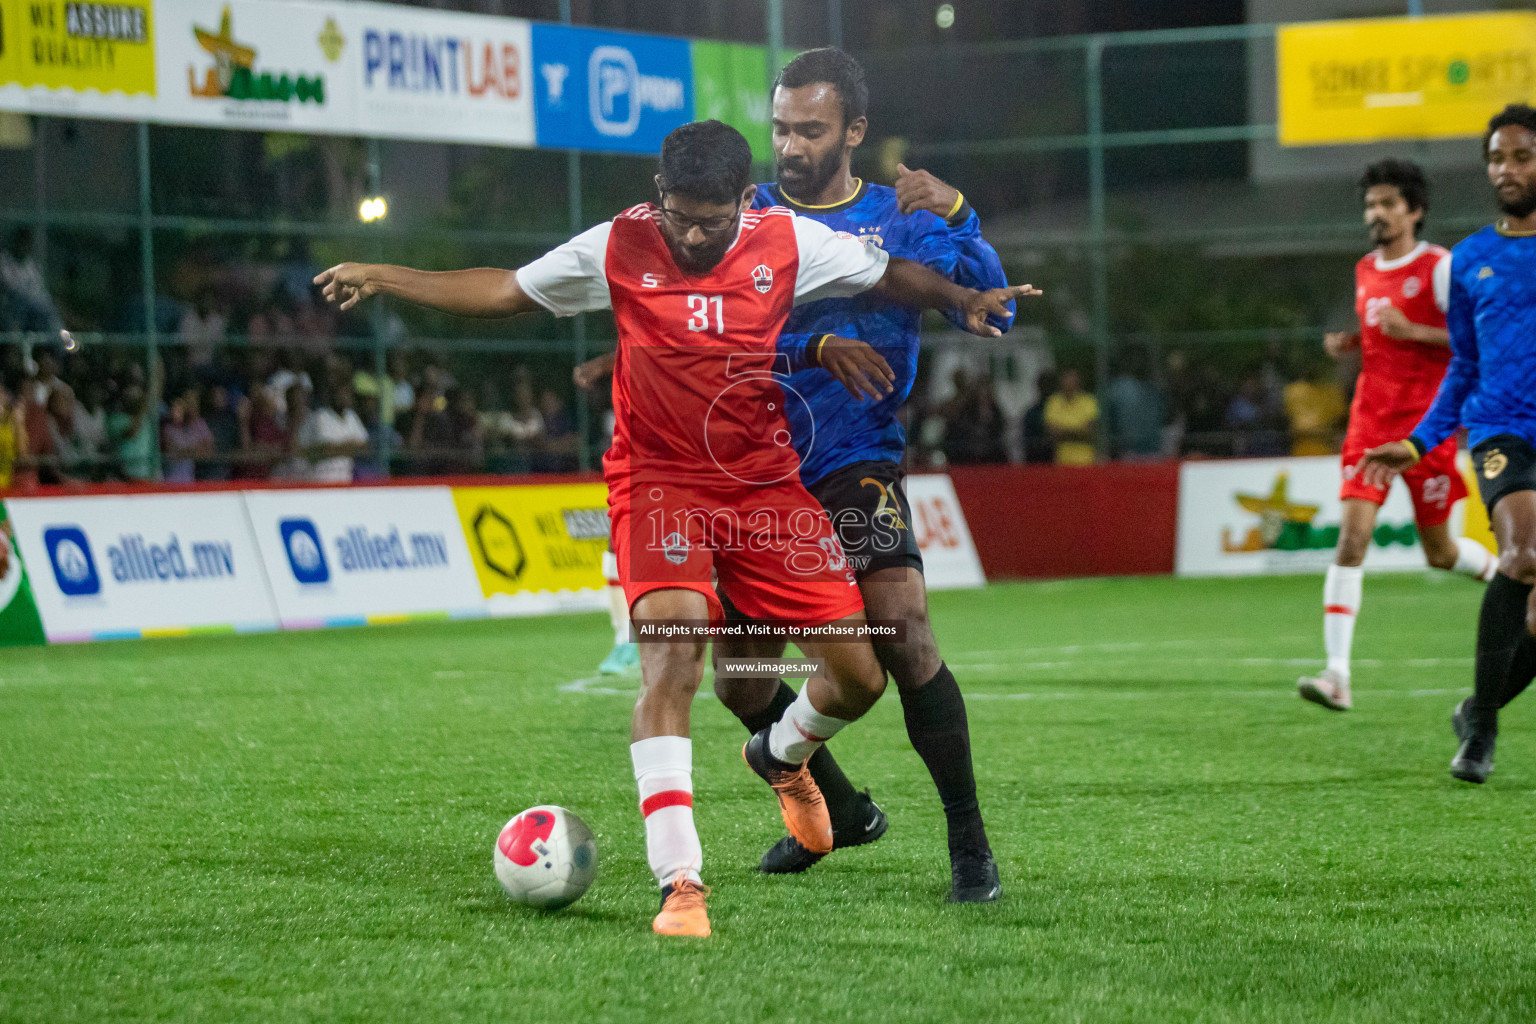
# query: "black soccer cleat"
{"type": "Point", "coordinates": [1474, 759]}
{"type": "Point", "coordinates": [1459, 724]}
{"type": "Point", "coordinates": [788, 857]}
{"type": "Point", "coordinates": [973, 877]}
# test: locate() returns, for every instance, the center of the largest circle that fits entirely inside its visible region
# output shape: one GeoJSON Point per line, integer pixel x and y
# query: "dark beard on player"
{"type": "Point", "coordinates": [1522, 206]}
{"type": "Point", "coordinates": [800, 179]}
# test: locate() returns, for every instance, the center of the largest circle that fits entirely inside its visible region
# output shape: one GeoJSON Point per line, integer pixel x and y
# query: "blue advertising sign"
{"type": "Point", "coordinates": [610, 91]}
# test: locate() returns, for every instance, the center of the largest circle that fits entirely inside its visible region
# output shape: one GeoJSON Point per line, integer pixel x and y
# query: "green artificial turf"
{"type": "Point", "coordinates": [299, 827]}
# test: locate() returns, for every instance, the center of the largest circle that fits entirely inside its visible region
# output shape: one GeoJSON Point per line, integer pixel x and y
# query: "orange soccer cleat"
{"type": "Point", "coordinates": [800, 800]}
{"type": "Point", "coordinates": [682, 910]}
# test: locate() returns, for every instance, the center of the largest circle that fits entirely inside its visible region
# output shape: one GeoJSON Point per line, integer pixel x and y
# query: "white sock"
{"type": "Point", "coordinates": [802, 730]}
{"type": "Point", "coordinates": [1341, 603]}
{"type": "Point", "coordinates": [664, 773]}
{"type": "Point", "coordinates": [1474, 560]}
{"type": "Point", "coordinates": [618, 604]}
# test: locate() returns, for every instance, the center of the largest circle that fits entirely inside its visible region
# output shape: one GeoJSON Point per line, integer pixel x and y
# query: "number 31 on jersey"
{"type": "Point", "coordinates": [699, 310]}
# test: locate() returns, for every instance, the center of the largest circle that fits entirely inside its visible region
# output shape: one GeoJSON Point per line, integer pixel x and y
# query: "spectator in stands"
{"type": "Point", "coordinates": [224, 426]}
{"type": "Point", "coordinates": [202, 331]}
{"type": "Point", "coordinates": [271, 326]}
{"type": "Point", "coordinates": [91, 420]}
{"type": "Point", "coordinates": [73, 456]}
{"type": "Point", "coordinates": [973, 427]}
{"type": "Point", "coordinates": [468, 443]}
{"type": "Point", "coordinates": [1195, 396]}
{"type": "Point", "coordinates": [13, 437]}
{"type": "Point", "coordinates": [1134, 409]}
{"type": "Point", "coordinates": [289, 372]}
{"type": "Point", "coordinates": [395, 395]}
{"type": "Point", "coordinates": [557, 448]}
{"type": "Point", "coordinates": [1039, 446]}
{"type": "Point", "coordinates": [184, 439]}
{"type": "Point", "coordinates": [1072, 417]}
{"type": "Point", "coordinates": [1251, 419]}
{"type": "Point", "coordinates": [293, 465]}
{"type": "Point", "coordinates": [332, 437]}
{"type": "Point", "coordinates": [382, 439]}
{"type": "Point", "coordinates": [427, 434]}
{"type": "Point", "coordinates": [46, 376]}
{"type": "Point", "coordinates": [262, 437]}
{"type": "Point", "coordinates": [25, 304]}
{"type": "Point", "coordinates": [131, 433]}
{"type": "Point", "coordinates": [1315, 408]}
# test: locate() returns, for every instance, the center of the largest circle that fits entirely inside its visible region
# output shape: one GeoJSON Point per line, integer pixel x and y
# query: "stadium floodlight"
{"type": "Point", "coordinates": [945, 15]}
{"type": "Point", "coordinates": [372, 209]}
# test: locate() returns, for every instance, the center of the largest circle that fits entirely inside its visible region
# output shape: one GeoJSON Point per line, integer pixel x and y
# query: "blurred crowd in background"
{"type": "Point", "coordinates": [260, 385]}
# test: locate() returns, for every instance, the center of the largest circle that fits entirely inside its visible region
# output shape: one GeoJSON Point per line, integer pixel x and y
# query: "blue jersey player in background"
{"type": "Point", "coordinates": [851, 448]}
{"type": "Point", "coordinates": [1490, 388]}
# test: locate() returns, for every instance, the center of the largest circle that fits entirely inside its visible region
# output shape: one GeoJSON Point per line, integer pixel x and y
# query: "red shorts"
{"type": "Point", "coordinates": [771, 548]}
{"type": "Point", "coordinates": [1434, 482]}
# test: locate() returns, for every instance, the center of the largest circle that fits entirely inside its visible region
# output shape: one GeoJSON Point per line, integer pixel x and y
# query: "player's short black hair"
{"type": "Point", "coordinates": [1516, 115]}
{"type": "Point", "coordinates": [1406, 177]}
{"type": "Point", "coordinates": [707, 161]}
{"type": "Point", "coordinates": [836, 68]}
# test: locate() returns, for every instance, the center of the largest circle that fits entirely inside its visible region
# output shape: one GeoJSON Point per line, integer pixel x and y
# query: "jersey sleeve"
{"type": "Point", "coordinates": [834, 265]}
{"type": "Point", "coordinates": [571, 278]}
{"type": "Point", "coordinates": [1440, 278]}
{"type": "Point", "coordinates": [1444, 414]}
{"type": "Point", "coordinates": [976, 266]}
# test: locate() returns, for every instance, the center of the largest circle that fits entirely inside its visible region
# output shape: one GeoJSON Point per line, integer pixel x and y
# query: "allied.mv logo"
{"type": "Point", "coordinates": [73, 567]}
{"type": "Point", "coordinates": [306, 558]}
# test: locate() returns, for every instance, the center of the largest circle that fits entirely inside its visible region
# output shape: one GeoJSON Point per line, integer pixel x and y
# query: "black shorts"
{"type": "Point", "coordinates": [1504, 464]}
{"type": "Point", "coordinates": [871, 516]}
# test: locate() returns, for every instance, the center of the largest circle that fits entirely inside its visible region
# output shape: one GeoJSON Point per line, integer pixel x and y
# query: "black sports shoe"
{"type": "Point", "coordinates": [973, 875]}
{"type": "Point", "coordinates": [1459, 724]}
{"type": "Point", "coordinates": [1474, 759]}
{"type": "Point", "coordinates": [788, 857]}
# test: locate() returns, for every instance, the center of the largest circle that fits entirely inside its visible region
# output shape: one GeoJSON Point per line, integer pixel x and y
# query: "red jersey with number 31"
{"type": "Point", "coordinates": [697, 392]}
{"type": "Point", "coordinates": [1398, 378]}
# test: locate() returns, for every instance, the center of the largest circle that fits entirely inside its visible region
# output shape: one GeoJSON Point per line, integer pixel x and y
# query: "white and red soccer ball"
{"type": "Point", "coordinates": [546, 857]}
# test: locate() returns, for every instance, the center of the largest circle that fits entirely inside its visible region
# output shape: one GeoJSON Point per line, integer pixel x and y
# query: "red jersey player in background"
{"type": "Point", "coordinates": [702, 478]}
{"type": "Point", "coordinates": [1401, 291]}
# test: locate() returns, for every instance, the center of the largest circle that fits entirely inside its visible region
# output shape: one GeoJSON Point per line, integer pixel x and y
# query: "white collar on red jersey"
{"type": "Point", "coordinates": [1402, 261]}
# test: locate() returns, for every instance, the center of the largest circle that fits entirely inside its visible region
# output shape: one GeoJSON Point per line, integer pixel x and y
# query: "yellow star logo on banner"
{"type": "Point", "coordinates": [331, 41]}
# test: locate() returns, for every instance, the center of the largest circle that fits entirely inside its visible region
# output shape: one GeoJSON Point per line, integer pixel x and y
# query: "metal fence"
{"type": "Point", "coordinates": [1135, 176]}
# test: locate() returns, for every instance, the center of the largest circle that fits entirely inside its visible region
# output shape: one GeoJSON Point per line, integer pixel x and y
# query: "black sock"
{"type": "Point", "coordinates": [1500, 634]}
{"type": "Point", "coordinates": [844, 804]}
{"type": "Point", "coordinates": [1522, 670]}
{"type": "Point", "coordinates": [936, 724]}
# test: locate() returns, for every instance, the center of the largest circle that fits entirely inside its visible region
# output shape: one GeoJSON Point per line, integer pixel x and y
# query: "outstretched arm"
{"type": "Point", "coordinates": [913, 284]}
{"type": "Point", "coordinates": [482, 292]}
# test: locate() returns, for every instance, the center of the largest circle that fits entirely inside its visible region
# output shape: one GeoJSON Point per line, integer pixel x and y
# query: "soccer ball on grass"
{"type": "Point", "coordinates": [546, 857]}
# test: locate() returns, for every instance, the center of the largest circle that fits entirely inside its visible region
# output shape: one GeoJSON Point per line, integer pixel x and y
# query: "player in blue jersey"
{"type": "Point", "coordinates": [843, 402]}
{"type": "Point", "coordinates": [1490, 388]}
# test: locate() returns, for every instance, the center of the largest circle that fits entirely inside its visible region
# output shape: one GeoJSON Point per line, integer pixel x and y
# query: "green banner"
{"type": "Point", "coordinates": [730, 84]}
{"type": "Point", "coordinates": [19, 621]}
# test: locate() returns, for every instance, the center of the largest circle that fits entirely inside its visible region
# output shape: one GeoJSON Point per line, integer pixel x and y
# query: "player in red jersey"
{"type": "Point", "coordinates": [1400, 297]}
{"type": "Point", "coordinates": [702, 479]}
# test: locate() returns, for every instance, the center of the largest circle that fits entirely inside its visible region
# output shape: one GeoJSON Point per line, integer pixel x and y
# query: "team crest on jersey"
{"type": "Point", "coordinates": [675, 547]}
{"type": "Point", "coordinates": [871, 236]}
{"type": "Point", "coordinates": [762, 277]}
{"type": "Point", "coordinates": [1411, 287]}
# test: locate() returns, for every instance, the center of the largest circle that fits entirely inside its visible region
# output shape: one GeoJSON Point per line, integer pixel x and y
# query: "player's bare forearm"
{"type": "Point", "coordinates": [1381, 464]}
{"type": "Point", "coordinates": [484, 292]}
{"type": "Point", "coordinates": [587, 374]}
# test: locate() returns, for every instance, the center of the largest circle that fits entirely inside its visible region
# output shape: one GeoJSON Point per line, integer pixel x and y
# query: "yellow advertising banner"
{"type": "Point", "coordinates": [540, 538]}
{"type": "Point", "coordinates": [108, 47]}
{"type": "Point", "coordinates": [1402, 78]}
